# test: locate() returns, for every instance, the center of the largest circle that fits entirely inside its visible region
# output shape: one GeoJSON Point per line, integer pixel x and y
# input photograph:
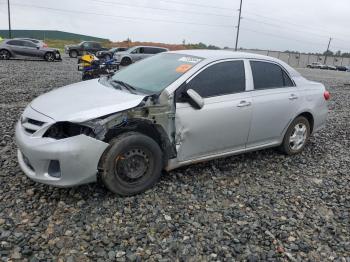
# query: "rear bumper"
{"type": "Point", "coordinates": [77, 156]}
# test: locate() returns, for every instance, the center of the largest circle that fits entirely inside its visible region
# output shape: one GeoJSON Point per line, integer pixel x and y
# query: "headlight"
{"type": "Point", "coordinates": [61, 130]}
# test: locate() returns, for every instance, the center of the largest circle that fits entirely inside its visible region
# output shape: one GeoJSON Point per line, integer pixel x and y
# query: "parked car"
{"type": "Point", "coordinates": [108, 54]}
{"type": "Point", "coordinates": [35, 41]}
{"type": "Point", "coordinates": [137, 53]}
{"type": "Point", "coordinates": [13, 48]}
{"type": "Point", "coordinates": [317, 65]}
{"type": "Point", "coordinates": [167, 111]}
{"type": "Point", "coordinates": [84, 47]}
{"type": "Point", "coordinates": [342, 68]}
{"type": "Point", "coordinates": [331, 67]}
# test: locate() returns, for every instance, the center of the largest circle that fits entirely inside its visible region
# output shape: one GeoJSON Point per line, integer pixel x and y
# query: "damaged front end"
{"type": "Point", "coordinates": [150, 117]}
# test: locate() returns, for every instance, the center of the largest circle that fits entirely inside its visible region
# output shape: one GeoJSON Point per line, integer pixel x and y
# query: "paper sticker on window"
{"type": "Point", "coordinates": [189, 59]}
{"type": "Point", "coordinates": [183, 68]}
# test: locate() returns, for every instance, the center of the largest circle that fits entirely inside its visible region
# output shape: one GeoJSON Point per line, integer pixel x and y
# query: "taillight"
{"type": "Point", "coordinates": [326, 95]}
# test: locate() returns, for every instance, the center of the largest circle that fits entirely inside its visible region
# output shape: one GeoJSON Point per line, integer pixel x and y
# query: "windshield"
{"type": "Point", "coordinates": [153, 74]}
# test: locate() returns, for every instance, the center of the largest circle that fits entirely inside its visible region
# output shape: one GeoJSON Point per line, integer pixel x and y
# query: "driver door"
{"type": "Point", "coordinates": [222, 124]}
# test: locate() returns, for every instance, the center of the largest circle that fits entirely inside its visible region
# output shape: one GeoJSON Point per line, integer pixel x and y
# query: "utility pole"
{"type": "Point", "coordinates": [239, 24]}
{"type": "Point", "coordinates": [329, 43]}
{"type": "Point", "coordinates": [9, 16]}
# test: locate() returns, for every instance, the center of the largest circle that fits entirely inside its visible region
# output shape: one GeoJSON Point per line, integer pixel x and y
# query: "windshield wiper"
{"type": "Point", "coordinates": [130, 88]}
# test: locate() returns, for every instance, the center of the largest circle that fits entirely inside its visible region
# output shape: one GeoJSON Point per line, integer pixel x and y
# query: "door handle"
{"type": "Point", "coordinates": [293, 97]}
{"type": "Point", "coordinates": [244, 103]}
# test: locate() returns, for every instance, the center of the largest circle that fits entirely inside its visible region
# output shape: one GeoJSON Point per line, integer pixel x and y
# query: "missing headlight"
{"type": "Point", "coordinates": [62, 130]}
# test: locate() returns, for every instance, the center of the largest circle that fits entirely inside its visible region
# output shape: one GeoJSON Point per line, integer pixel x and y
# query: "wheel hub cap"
{"type": "Point", "coordinates": [132, 165]}
{"type": "Point", "coordinates": [298, 137]}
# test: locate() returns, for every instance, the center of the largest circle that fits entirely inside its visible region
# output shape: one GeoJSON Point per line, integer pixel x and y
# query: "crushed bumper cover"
{"type": "Point", "coordinates": [77, 156]}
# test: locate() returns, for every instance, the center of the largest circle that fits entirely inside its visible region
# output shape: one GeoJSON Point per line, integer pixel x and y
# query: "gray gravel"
{"type": "Point", "coordinates": [255, 207]}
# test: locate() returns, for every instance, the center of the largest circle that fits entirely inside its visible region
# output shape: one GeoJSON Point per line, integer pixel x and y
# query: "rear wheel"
{"type": "Point", "coordinates": [132, 164]}
{"type": "Point", "coordinates": [4, 55]}
{"type": "Point", "coordinates": [73, 53]}
{"type": "Point", "coordinates": [296, 136]}
{"type": "Point", "coordinates": [49, 57]}
{"type": "Point", "coordinates": [126, 61]}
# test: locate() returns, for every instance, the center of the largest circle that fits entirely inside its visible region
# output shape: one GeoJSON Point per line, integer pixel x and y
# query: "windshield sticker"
{"type": "Point", "coordinates": [183, 68]}
{"type": "Point", "coordinates": [189, 59]}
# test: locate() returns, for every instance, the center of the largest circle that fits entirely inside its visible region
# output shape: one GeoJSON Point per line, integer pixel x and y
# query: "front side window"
{"type": "Point", "coordinates": [87, 45]}
{"type": "Point", "coordinates": [220, 79]}
{"type": "Point", "coordinates": [155, 73]}
{"type": "Point", "coordinates": [29, 44]}
{"type": "Point", "coordinates": [268, 75]}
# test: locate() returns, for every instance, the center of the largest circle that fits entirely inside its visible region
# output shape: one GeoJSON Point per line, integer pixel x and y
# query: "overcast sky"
{"type": "Point", "coordinates": [302, 25]}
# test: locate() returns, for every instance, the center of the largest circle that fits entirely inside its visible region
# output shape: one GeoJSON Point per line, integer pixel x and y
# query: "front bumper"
{"type": "Point", "coordinates": [77, 156]}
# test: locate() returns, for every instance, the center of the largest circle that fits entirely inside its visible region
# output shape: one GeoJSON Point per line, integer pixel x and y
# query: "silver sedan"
{"type": "Point", "coordinates": [167, 111]}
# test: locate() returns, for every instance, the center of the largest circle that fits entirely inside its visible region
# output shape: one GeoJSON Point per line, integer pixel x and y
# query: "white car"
{"type": "Point", "coordinates": [167, 111]}
{"type": "Point", "coordinates": [137, 53]}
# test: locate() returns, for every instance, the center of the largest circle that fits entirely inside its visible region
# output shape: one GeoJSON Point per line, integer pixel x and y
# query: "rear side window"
{"type": "Point", "coordinates": [96, 45]}
{"type": "Point", "coordinates": [268, 75]}
{"type": "Point", "coordinates": [220, 79]}
{"type": "Point", "coordinates": [15, 42]}
{"type": "Point", "coordinates": [149, 50]}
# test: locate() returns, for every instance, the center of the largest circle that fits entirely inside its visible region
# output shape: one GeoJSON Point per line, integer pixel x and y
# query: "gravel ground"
{"type": "Point", "coordinates": [256, 207]}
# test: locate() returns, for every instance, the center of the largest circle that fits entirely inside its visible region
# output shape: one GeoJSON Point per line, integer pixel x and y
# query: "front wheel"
{"type": "Point", "coordinates": [132, 164]}
{"type": "Point", "coordinates": [126, 61]}
{"type": "Point", "coordinates": [49, 57]}
{"type": "Point", "coordinates": [296, 136]}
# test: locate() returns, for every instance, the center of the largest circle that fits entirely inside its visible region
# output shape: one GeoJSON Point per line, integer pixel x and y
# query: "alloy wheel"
{"type": "Point", "coordinates": [4, 55]}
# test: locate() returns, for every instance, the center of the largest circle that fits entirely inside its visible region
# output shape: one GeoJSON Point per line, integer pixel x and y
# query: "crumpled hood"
{"type": "Point", "coordinates": [84, 101]}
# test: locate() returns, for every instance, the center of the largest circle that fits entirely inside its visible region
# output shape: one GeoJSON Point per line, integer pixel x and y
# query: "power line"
{"type": "Point", "coordinates": [305, 26]}
{"type": "Point", "coordinates": [282, 27]}
{"type": "Point", "coordinates": [159, 8]}
{"type": "Point", "coordinates": [281, 37]}
{"type": "Point", "coordinates": [199, 5]}
{"type": "Point", "coordinates": [118, 16]}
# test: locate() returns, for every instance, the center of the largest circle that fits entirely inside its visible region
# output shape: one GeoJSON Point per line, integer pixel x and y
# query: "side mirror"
{"type": "Point", "coordinates": [38, 47]}
{"type": "Point", "coordinates": [195, 99]}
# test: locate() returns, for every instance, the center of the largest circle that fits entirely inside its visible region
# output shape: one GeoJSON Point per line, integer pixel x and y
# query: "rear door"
{"type": "Point", "coordinates": [16, 47]}
{"type": "Point", "coordinates": [275, 102]}
{"type": "Point", "coordinates": [222, 125]}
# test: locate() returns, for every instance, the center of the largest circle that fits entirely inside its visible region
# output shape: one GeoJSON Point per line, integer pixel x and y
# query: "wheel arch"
{"type": "Point", "coordinates": [126, 57]}
{"type": "Point", "coordinates": [11, 55]}
{"type": "Point", "coordinates": [147, 128]}
{"type": "Point", "coordinates": [309, 118]}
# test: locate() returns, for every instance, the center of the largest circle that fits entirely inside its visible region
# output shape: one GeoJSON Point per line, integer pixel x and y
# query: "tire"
{"type": "Point", "coordinates": [126, 61]}
{"type": "Point", "coordinates": [132, 164]}
{"type": "Point", "coordinates": [73, 53]}
{"type": "Point", "coordinates": [4, 54]}
{"type": "Point", "coordinates": [299, 131]}
{"type": "Point", "coordinates": [49, 57]}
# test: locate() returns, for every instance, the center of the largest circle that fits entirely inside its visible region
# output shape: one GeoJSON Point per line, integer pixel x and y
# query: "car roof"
{"type": "Point", "coordinates": [150, 46]}
{"type": "Point", "coordinates": [221, 54]}
{"type": "Point", "coordinates": [224, 54]}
